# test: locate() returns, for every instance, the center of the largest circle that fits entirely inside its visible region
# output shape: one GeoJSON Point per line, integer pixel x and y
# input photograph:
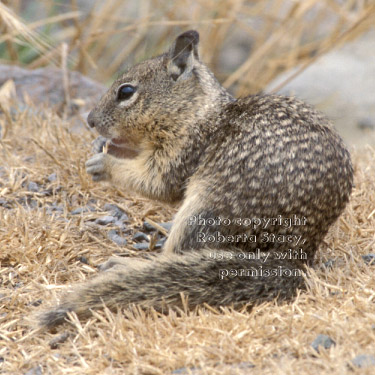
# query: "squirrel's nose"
{"type": "Point", "coordinates": [91, 120]}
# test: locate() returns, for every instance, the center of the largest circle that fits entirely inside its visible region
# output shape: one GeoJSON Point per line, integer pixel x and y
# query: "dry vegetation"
{"type": "Point", "coordinates": [43, 249]}
{"type": "Point", "coordinates": [99, 39]}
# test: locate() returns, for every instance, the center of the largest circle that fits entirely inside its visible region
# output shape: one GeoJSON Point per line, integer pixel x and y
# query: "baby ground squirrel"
{"type": "Point", "coordinates": [261, 178]}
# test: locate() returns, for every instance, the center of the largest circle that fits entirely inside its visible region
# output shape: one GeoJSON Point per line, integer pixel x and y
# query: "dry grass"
{"type": "Point", "coordinates": [283, 33]}
{"type": "Point", "coordinates": [40, 255]}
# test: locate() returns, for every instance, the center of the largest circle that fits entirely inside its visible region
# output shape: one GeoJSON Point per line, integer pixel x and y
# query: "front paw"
{"type": "Point", "coordinates": [98, 144]}
{"type": "Point", "coordinates": [99, 167]}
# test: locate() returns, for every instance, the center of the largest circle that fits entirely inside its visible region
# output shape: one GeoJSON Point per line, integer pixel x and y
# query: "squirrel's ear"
{"type": "Point", "coordinates": [183, 54]}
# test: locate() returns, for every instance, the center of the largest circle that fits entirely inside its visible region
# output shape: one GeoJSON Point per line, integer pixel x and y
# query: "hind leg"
{"type": "Point", "coordinates": [193, 223]}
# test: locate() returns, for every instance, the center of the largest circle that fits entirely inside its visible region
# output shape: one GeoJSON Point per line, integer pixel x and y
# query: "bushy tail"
{"type": "Point", "coordinates": [214, 277]}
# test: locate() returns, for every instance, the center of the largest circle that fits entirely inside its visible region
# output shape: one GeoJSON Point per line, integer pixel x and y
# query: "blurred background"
{"type": "Point", "coordinates": [322, 51]}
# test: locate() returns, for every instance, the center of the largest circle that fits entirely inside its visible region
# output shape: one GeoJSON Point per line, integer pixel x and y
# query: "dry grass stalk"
{"type": "Point", "coordinates": [14, 27]}
{"type": "Point", "coordinates": [284, 33]}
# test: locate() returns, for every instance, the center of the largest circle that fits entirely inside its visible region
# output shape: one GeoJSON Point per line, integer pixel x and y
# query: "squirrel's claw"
{"type": "Point", "coordinates": [98, 144]}
{"type": "Point", "coordinates": [97, 166]}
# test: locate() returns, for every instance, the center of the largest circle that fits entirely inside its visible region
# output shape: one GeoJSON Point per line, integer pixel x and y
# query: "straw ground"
{"type": "Point", "coordinates": [43, 249]}
{"type": "Point", "coordinates": [100, 37]}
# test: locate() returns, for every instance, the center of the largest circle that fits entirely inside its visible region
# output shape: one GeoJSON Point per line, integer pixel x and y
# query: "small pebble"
{"type": "Point", "coordinates": [35, 371]}
{"type": "Point", "coordinates": [120, 224]}
{"type": "Point", "coordinates": [116, 211]}
{"type": "Point", "coordinates": [141, 246]}
{"type": "Point", "coordinates": [148, 227]}
{"type": "Point", "coordinates": [139, 236]}
{"type": "Point", "coordinates": [329, 264]}
{"type": "Point", "coordinates": [364, 360]}
{"type": "Point", "coordinates": [369, 258]}
{"type": "Point", "coordinates": [4, 203]}
{"type": "Point", "coordinates": [322, 340]}
{"type": "Point", "coordinates": [116, 238]}
{"type": "Point", "coordinates": [244, 365]}
{"type": "Point", "coordinates": [187, 371]}
{"type": "Point", "coordinates": [33, 187]}
{"type": "Point", "coordinates": [81, 210]}
{"type": "Point", "coordinates": [52, 177]}
{"type": "Point", "coordinates": [124, 217]}
{"type": "Point", "coordinates": [36, 303]}
{"type": "Point", "coordinates": [105, 220]}
{"type": "Point", "coordinates": [83, 260]}
{"type": "Point", "coordinates": [27, 202]}
{"type": "Point", "coordinates": [110, 207]}
{"type": "Point", "coordinates": [54, 207]}
{"type": "Point", "coordinates": [160, 243]}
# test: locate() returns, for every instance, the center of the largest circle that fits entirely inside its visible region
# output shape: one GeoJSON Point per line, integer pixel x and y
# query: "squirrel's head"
{"type": "Point", "coordinates": [158, 96]}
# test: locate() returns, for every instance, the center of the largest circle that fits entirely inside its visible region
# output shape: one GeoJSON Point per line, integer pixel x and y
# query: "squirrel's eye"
{"type": "Point", "coordinates": [125, 92]}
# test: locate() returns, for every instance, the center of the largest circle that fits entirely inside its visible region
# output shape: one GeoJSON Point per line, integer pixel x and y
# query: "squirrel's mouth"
{"type": "Point", "coordinates": [122, 148]}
